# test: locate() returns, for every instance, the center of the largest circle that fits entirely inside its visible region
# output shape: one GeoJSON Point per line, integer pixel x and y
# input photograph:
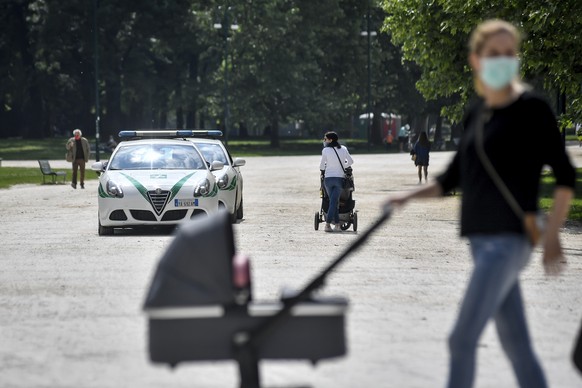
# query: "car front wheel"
{"type": "Point", "coordinates": [240, 211]}
{"type": "Point", "coordinates": [105, 230]}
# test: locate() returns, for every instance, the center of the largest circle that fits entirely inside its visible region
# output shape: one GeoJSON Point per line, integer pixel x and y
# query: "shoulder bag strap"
{"type": "Point", "coordinates": [486, 162]}
{"type": "Point", "coordinates": [338, 158]}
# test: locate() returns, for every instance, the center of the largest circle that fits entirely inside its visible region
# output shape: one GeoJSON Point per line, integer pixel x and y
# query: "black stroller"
{"type": "Point", "coordinates": [347, 215]}
{"type": "Point", "coordinates": [200, 308]}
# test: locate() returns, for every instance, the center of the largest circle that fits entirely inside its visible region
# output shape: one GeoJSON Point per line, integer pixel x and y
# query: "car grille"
{"type": "Point", "coordinates": [174, 215]}
{"type": "Point", "coordinates": [143, 215]}
{"type": "Point", "coordinates": [159, 199]}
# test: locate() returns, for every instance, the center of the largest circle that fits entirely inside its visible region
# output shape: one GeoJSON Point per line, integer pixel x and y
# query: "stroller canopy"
{"type": "Point", "coordinates": [196, 268]}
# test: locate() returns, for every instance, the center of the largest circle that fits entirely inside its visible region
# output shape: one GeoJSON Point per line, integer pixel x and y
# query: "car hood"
{"type": "Point", "coordinates": [154, 179]}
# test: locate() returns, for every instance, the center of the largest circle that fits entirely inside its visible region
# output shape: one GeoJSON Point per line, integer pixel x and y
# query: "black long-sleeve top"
{"type": "Point", "coordinates": [519, 139]}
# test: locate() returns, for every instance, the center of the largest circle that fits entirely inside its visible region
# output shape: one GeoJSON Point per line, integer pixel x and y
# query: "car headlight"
{"type": "Point", "coordinates": [114, 189]}
{"type": "Point", "coordinates": [222, 182]}
{"type": "Point", "coordinates": [202, 188]}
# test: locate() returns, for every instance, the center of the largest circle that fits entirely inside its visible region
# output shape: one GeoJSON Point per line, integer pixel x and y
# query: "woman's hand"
{"type": "Point", "coordinates": [430, 190]}
{"type": "Point", "coordinates": [553, 257]}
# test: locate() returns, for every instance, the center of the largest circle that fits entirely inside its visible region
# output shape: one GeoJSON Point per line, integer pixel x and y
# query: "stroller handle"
{"type": "Point", "coordinates": [255, 336]}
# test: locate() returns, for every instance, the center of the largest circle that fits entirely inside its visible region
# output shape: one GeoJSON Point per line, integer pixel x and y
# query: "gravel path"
{"type": "Point", "coordinates": [70, 301]}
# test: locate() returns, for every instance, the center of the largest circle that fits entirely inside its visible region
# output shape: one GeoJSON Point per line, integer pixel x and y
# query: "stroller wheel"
{"type": "Point", "coordinates": [355, 222]}
{"type": "Point", "coordinates": [316, 223]}
{"type": "Point", "coordinates": [346, 225]}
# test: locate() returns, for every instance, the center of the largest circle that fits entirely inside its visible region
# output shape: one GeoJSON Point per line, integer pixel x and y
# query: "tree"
{"type": "Point", "coordinates": [434, 35]}
{"type": "Point", "coordinates": [162, 64]}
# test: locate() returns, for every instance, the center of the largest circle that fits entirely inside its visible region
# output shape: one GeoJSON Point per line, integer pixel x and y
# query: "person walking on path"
{"type": "Point", "coordinates": [78, 152]}
{"type": "Point", "coordinates": [421, 151]}
{"type": "Point", "coordinates": [499, 239]}
{"type": "Point", "coordinates": [335, 158]}
{"type": "Point", "coordinates": [403, 136]}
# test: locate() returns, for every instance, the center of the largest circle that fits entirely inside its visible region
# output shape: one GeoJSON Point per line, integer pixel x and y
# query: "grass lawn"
{"type": "Point", "coordinates": [10, 176]}
{"type": "Point", "coordinates": [54, 148]}
{"type": "Point", "coordinates": [546, 195]}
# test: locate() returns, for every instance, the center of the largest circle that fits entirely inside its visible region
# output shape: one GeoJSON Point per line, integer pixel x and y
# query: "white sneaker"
{"type": "Point", "coordinates": [328, 228]}
{"type": "Point", "coordinates": [338, 228]}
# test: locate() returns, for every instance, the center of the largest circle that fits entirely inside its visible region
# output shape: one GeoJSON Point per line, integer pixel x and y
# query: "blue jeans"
{"type": "Point", "coordinates": [333, 186]}
{"type": "Point", "coordinates": [494, 292]}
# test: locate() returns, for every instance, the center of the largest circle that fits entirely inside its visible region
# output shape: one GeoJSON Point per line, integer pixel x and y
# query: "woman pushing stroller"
{"type": "Point", "coordinates": [335, 158]}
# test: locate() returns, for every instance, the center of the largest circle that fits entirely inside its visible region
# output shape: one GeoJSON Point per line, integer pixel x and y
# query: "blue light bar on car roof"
{"type": "Point", "coordinates": [170, 133]}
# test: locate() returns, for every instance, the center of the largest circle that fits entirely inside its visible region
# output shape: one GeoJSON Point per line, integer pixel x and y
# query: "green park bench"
{"type": "Point", "coordinates": [46, 170]}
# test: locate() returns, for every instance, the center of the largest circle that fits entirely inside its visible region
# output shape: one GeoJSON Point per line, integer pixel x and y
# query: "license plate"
{"type": "Point", "coordinates": [185, 202]}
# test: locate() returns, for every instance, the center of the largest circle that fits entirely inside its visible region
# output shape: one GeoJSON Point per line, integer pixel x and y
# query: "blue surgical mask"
{"type": "Point", "coordinates": [498, 72]}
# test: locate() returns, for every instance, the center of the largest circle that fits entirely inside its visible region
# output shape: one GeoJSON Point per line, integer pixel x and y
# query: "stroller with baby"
{"type": "Point", "coordinates": [347, 215]}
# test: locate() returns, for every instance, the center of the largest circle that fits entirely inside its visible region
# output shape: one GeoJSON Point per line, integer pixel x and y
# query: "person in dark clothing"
{"type": "Point", "coordinates": [421, 150]}
{"type": "Point", "coordinates": [78, 152]}
{"type": "Point", "coordinates": [498, 239]}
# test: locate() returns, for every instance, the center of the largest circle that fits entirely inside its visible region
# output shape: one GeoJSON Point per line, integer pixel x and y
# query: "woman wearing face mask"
{"type": "Point", "coordinates": [335, 158]}
{"type": "Point", "coordinates": [499, 242]}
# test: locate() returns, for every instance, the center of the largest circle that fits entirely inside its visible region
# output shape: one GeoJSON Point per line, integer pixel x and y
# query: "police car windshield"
{"type": "Point", "coordinates": [156, 157]}
{"type": "Point", "coordinates": [212, 152]}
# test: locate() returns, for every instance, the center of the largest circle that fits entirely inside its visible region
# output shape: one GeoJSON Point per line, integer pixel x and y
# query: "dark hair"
{"type": "Point", "coordinates": [423, 139]}
{"type": "Point", "coordinates": [331, 135]}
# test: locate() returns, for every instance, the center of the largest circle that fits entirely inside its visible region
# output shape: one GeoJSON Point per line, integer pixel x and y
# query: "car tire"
{"type": "Point", "coordinates": [232, 217]}
{"type": "Point", "coordinates": [240, 211]}
{"type": "Point", "coordinates": [105, 230]}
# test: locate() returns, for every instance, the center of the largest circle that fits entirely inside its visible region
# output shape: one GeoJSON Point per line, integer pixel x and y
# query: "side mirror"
{"type": "Point", "coordinates": [216, 165]}
{"type": "Point", "coordinates": [98, 166]}
{"type": "Point", "coordinates": [238, 162]}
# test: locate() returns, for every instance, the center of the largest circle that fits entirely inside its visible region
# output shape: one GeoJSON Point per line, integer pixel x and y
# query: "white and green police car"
{"type": "Point", "coordinates": [229, 179]}
{"type": "Point", "coordinates": [157, 178]}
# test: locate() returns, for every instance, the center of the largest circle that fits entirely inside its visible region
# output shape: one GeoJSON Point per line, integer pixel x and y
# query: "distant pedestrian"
{"type": "Point", "coordinates": [403, 137]}
{"type": "Point", "coordinates": [389, 140]}
{"type": "Point", "coordinates": [79, 151]}
{"type": "Point", "coordinates": [579, 134]}
{"type": "Point", "coordinates": [335, 158]}
{"type": "Point", "coordinates": [111, 144]}
{"type": "Point", "coordinates": [421, 153]}
{"type": "Point", "coordinates": [500, 184]}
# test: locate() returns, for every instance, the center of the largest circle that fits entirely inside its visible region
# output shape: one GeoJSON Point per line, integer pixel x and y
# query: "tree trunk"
{"type": "Point", "coordinates": [32, 108]}
{"type": "Point", "coordinates": [179, 118]}
{"type": "Point", "coordinates": [179, 109]}
{"type": "Point", "coordinates": [112, 120]}
{"type": "Point", "coordinates": [376, 135]}
{"type": "Point", "coordinates": [191, 100]}
{"type": "Point", "coordinates": [274, 132]}
{"type": "Point", "coordinates": [163, 118]}
{"type": "Point", "coordinates": [437, 131]}
{"type": "Point", "coordinates": [561, 109]}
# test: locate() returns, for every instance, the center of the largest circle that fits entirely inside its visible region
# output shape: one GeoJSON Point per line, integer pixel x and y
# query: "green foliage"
{"type": "Point", "coordinates": [434, 35]}
{"type": "Point", "coordinates": [162, 64]}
